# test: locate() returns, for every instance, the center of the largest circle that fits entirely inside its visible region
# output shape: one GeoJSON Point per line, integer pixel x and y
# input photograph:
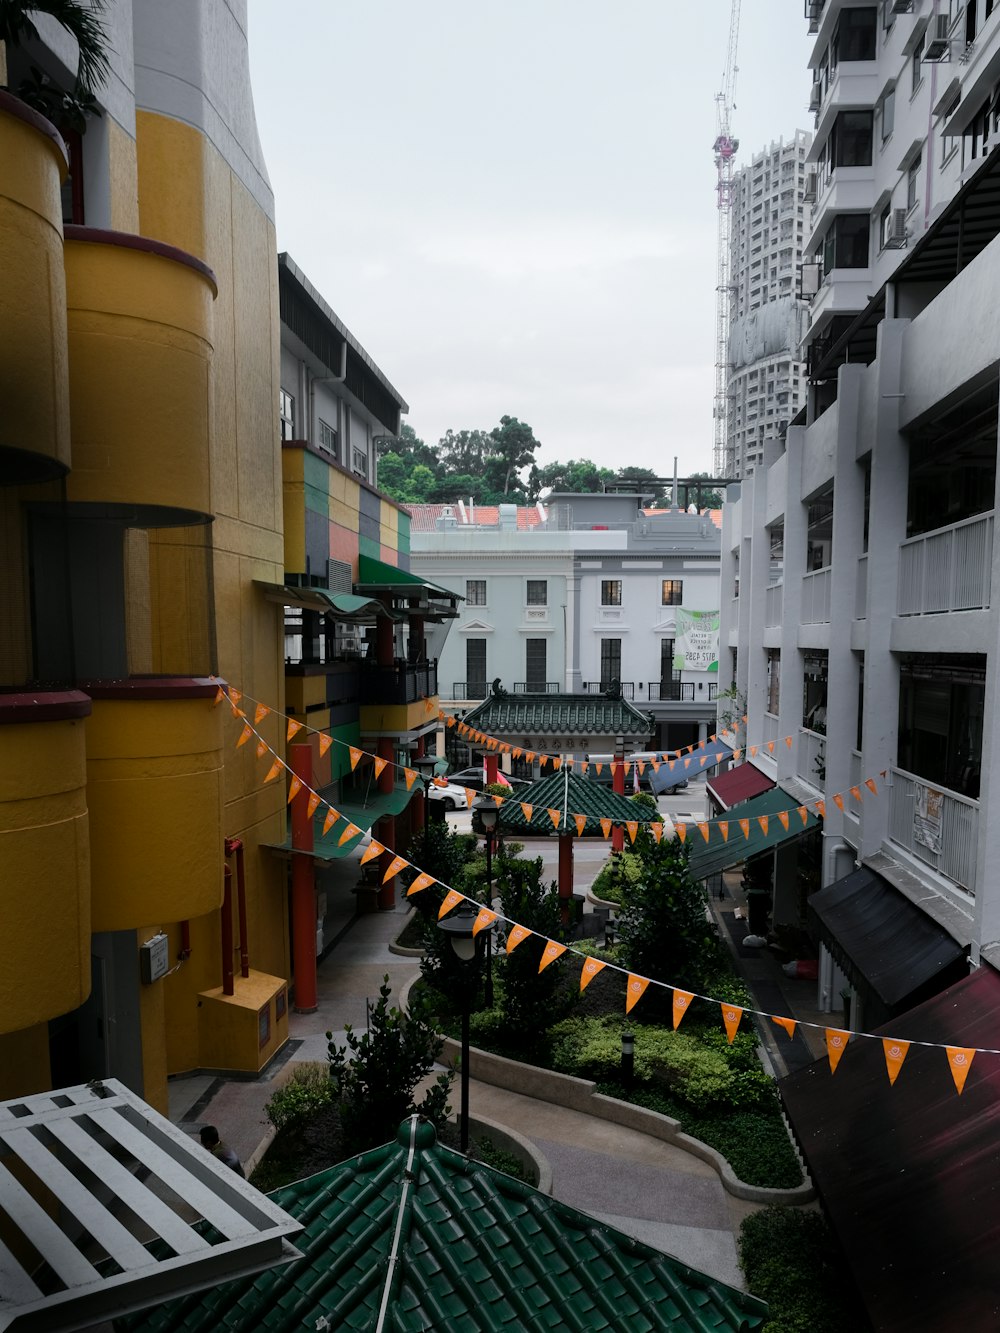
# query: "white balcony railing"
{"type": "Point", "coordinates": [770, 728]}
{"type": "Point", "coordinates": [861, 590]}
{"type": "Point", "coordinates": [816, 596]}
{"type": "Point", "coordinates": [773, 601]}
{"type": "Point", "coordinates": [948, 569]}
{"type": "Point", "coordinates": [854, 770]}
{"type": "Point", "coordinates": [938, 827]}
{"type": "Point", "coordinates": [812, 758]}
{"type": "Point", "coordinates": [734, 612]}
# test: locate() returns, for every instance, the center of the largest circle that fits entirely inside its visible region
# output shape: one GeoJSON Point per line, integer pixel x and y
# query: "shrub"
{"type": "Point", "coordinates": [307, 1091]}
{"type": "Point", "coordinates": [528, 994]}
{"type": "Point", "coordinates": [791, 1260]}
{"type": "Point", "coordinates": [501, 1160]}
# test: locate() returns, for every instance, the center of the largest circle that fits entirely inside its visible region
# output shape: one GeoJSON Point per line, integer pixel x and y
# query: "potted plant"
{"type": "Point", "coordinates": [67, 109]}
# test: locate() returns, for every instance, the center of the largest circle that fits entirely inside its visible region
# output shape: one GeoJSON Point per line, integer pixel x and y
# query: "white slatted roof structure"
{"type": "Point", "coordinates": [99, 1200]}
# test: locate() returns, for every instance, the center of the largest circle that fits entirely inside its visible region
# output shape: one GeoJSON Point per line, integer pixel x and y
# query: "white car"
{"type": "Point", "coordinates": [450, 796]}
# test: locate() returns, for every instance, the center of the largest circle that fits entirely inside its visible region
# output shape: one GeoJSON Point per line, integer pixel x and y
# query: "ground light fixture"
{"type": "Point", "coordinates": [458, 926]}
{"type": "Point", "coordinates": [628, 1058]}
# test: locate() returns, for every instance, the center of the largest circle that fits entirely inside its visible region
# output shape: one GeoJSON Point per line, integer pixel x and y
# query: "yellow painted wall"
{"type": "Point", "coordinates": [123, 176]}
{"type": "Point", "coordinates": [24, 1062]}
{"type": "Point", "coordinates": [294, 491]}
{"type": "Point", "coordinates": [232, 1026]}
{"type": "Point", "coordinates": [380, 719]}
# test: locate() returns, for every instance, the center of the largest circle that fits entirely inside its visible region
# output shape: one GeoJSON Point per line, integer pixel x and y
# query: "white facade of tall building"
{"type": "Point", "coordinates": [766, 380]}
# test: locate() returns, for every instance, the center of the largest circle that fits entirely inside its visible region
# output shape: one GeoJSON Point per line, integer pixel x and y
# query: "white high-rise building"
{"type": "Point", "coordinates": [766, 380]}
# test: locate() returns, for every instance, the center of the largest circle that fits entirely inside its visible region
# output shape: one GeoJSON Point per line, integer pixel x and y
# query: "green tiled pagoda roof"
{"type": "Point", "coordinates": [441, 1242]}
{"type": "Point", "coordinates": [558, 714]}
{"type": "Point", "coordinates": [568, 792]}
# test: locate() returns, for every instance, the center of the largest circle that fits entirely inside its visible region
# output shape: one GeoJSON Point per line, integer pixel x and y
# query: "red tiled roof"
{"type": "Point", "coordinates": [423, 518]}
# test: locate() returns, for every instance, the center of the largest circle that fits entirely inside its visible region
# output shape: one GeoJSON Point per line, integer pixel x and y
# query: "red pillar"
{"type": "Point", "coordinates": [491, 767]}
{"type": "Point", "coordinates": [387, 827]}
{"type": "Point", "coordinates": [618, 785]}
{"type": "Point", "coordinates": [565, 875]}
{"type": "Point", "coordinates": [303, 888]}
{"type": "Point", "coordinates": [416, 806]}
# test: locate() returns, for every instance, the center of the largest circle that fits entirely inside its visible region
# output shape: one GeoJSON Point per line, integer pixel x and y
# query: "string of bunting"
{"type": "Point", "coordinates": [895, 1050]}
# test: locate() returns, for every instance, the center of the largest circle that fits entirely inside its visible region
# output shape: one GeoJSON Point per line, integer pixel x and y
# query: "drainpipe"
{"type": "Point", "coordinates": [236, 845]}
{"type": "Point", "coordinates": [228, 988]}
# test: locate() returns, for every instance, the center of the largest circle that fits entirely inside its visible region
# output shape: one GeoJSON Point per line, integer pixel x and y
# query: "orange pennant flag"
{"type": "Point", "coordinates": [371, 851]}
{"type": "Point", "coordinates": [484, 919]}
{"type": "Point", "coordinates": [352, 831]}
{"type": "Point", "coordinates": [292, 728]}
{"type": "Point", "coordinates": [517, 934]}
{"type": "Point", "coordinates": [220, 694]}
{"type": "Point", "coordinates": [245, 735]}
{"type": "Point", "coordinates": [517, 752]}
{"type": "Point", "coordinates": [682, 998]}
{"type": "Point", "coordinates": [294, 787]}
{"type": "Point", "coordinates": [259, 713]}
{"type": "Point", "coordinates": [640, 765]}
{"type": "Point", "coordinates": [737, 756]}
{"type": "Point", "coordinates": [262, 748]}
{"type": "Point", "coordinates": [554, 816]}
{"type": "Point", "coordinates": [614, 768]}
{"type": "Point", "coordinates": [633, 828]}
{"type": "Point", "coordinates": [583, 766]}
{"type": "Point", "coordinates": [783, 819]}
{"type": "Point", "coordinates": [635, 991]}
{"type": "Point", "coordinates": [557, 764]}
{"type": "Point", "coordinates": [237, 712]}
{"type": "Point", "coordinates": [731, 1015]}
{"type": "Point", "coordinates": [771, 745]}
{"type": "Point", "coordinates": [895, 1054]}
{"type": "Point", "coordinates": [870, 784]}
{"type": "Point", "coordinates": [702, 744]}
{"type": "Point", "coordinates": [451, 899]}
{"type": "Point", "coordinates": [788, 742]}
{"type": "Point", "coordinates": [682, 831]}
{"type": "Point", "coordinates": [325, 742]}
{"type": "Point", "coordinates": [410, 776]}
{"type": "Point", "coordinates": [821, 809]}
{"type": "Point", "coordinates": [590, 970]}
{"type": "Point", "coordinates": [274, 770]}
{"type": "Point", "coordinates": [753, 751]}
{"type": "Point", "coordinates": [397, 864]}
{"type": "Point", "coordinates": [765, 823]}
{"type": "Point", "coordinates": [530, 756]}
{"type": "Point", "coordinates": [687, 762]}
{"type": "Point", "coordinates": [836, 1045]}
{"type": "Point", "coordinates": [723, 827]}
{"type": "Point", "coordinates": [838, 800]}
{"type": "Point", "coordinates": [745, 827]}
{"type": "Point", "coordinates": [331, 818]}
{"type": "Point", "coordinates": [470, 796]}
{"type": "Point", "coordinates": [550, 953]}
{"type": "Point", "coordinates": [605, 828]}
{"type": "Point", "coordinates": [856, 793]}
{"type": "Point", "coordinates": [313, 805]}
{"type": "Point", "coordinates": [787, 1023]}
{"type": "Point", "coordinates": [379, 766]}
{"type": "Point", "coordinates": [803, 813]}
{"type": "Point", "coordinates": [960, 1062]}
{"type": "Point", "coordinates": [581, 823]}
{"type": "Point", "coordinates": [355, 756]}
{"type": "Point", "coordinates": [448, 721]}
{"type": "Point", "coordinates": [597, 768]}
{"type": "Point", "coordinates": [656, 828]}
{"type": "Point", "coordinates": [526, 810]}
{"type": "Point", "coordinates": [422, 882]}
{"type": "Point", "coordinates": [235, 695]}
{"type": "Point", "coordinates": [543, 759]}
{"type": "Point", "coordinates": [704, 831]}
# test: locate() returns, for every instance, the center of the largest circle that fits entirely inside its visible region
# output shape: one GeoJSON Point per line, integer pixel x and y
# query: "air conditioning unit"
{"type": "Point", "coordinates": [937, 46]}
{"type": "Point", "coordinates": [350, 647]}
{"type": "Point", "coordinates": [816, 96]}
{"type": "Point", "coordinates": [809, 189]}
{"type": "Point", "coordinates": [901, 6]}
{"type": "Point", "coordinates": [895, 238]}
{"type": "Point", "coordinates": [814, 11]}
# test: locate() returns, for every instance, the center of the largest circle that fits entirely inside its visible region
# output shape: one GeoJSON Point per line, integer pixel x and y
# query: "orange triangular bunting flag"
{"type": "Point", "coordinates": [371, 851]}
{"type": "Point", "coordinates": [397, 864]}
{"type": "Point", "coordinates": [325, 742]}
{"type": "Point", "coordinates": [640, 765]}
{"type": "Point", "coordinates": [704, 831]}
{"type": "Point", "coordinates": [245, 735]}
{"type": "Point", "coordinates": [550, 953]}
{"type": "Point", "coordinates": [597, 768]}
{"type": "Point", "coordinates": [804, 813]}
{"type": "Point", "coordinates": [543, 759]}
{"type": "Point", "coordinates": [484, 919]}
{"type": "Point", "coordinates": [237, 712]}
{"type": "Point", "coordinates": [771, 745]}
{"type": "Point", "coordinates": [526, 810]}
{"type": "Point", "coordinates": [331, 818]}
{"type": "Point", "coordinates": [262, 748]}
{"type": "Point", "coordinates": [350, 832]}
{"type": "Point", "coordinates": [723, 827]}
{"type": "Point", "coordinates": [737, 756]}
{"type": "Point", "coordinates": [788, 742]}
{"type": "Point", "coordinates": [422, 882]}
{"type": "Point", "coordinates": [682, 998]}
{"type": "Point", "coordinates": [895, 1054]}
{"type": "Point", "coordinates": [633, 828]}
{"type": "Point", "coordinates": [838, 800]}
{"type": "Point", "coordinates": [682, 831]}
{"type": "Point", "coordinates": [765, 823]}
{"type": "Point", "coordinates": [606, 828]}
{"type": "Point", "coordinates": [959, 1062]}
{"type": "Point", "coordinates": [656, 828]}
{"type": "Point", "coordinates": [836, 1045]}
{"type": "Point", "coordinates": [235, 695]}
{"type": "Point", "coordinates": [687, 762]}
{"type": "Point", "coordinates": [590, 970]}
{"type": "Point", "coordinates": [583, 766]}
{"type": "Point", "coordinates": [530, 756]}
{"type": "Point", "coordinates": [516, 935]}
{"type": "Point", "coordinates": [783, 819]}
{"type": "Point", "coordinates": [451, 899]}
{"type": "Point", "coordinates": [753, 751]}
{"type": "Point", "coordinates": [410, 776]}
{"type": "Point", "coordinates": [856, 793]}
{"type": "Point", "coordinates": [220, 694]}
{"type": "Point", "coordinates": [634, 993]}
{"type": "Point", "coordinates": [259, 713]}
{"type": "Point", "coordinates": [273, 771]}
{"type": "Point", "coordinates": [554, 816]}
{"type": "Point", "coordinates": [313, 805]}
{"type": "Point", "coordinates": [517, 752]}
{"type": "Point", "coordinates": [731, 1015]}
{"type": "Point", "coordinates": [379, 766]}
{"type": "Point", "coordinates": [470, 796]}
{"type": "Point", "coordinates": [293, 727]}
{"type": "Point", "coordinates": [294, 787]}
{"type": "Point", "coordinates": [355, 756]}
{"type": "Point", "coordinates": [581, 823]}
{"type": "Point", "coordinates": [870, 784]}
{"type": "Point", "coordinates": [557, 764]}
{"type": "Point", "coordinates": [745, 827]}
{"type": "Point", "coordinates": [787, 1023]}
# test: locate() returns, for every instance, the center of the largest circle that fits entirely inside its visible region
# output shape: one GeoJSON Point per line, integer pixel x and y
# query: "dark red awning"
{"type": "Point", "coordinates": [741, 783]}
{"type": "Point", "coordinates": [909, 1174]}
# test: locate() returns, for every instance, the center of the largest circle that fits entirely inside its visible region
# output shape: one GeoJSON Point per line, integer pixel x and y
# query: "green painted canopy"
{"type": "Point", "coordinates": [719, 853]}
{"type": "Point", "coordinates": [377, 576]}
{"type": "Point", "coordinates": [414, 1236]}
{"type": "Point", "coordinates": [346, 606]}
{"type": "Point", "coordinates": [558, 715]}
{"type": "Point", "coordinates": [363, 814]}
{"type": "Point", "coordinates": [570, 794]}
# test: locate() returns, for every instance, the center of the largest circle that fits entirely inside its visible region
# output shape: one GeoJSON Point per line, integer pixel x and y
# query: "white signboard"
{"type": "Point", "coordinates": [696, 640]}
{"type": "Point", "coordinates": [927, 817]}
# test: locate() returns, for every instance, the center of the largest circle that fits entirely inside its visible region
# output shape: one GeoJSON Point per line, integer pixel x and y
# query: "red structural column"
{"type": "Point", "coordinates": [618, 785]}
{"type": "Point", "coordinates": [491, 767]}
{"type": "Point", "coordinates": [303, 888]}
{"type": "Point", "coordinates": [387, 827]}
{"type": "Point", "coordinates": [565, 875]}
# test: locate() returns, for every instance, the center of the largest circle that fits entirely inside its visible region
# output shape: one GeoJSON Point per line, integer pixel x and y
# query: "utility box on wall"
{"type": "Point", "coordinates": [154, 959]}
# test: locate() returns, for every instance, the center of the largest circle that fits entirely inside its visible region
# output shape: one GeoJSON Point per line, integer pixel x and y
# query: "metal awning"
{"type": "Point", "coordinates": [677, 764]}
{"type": "Point", "coordinates": [882, 941]}
{"type": "Point", "coordinates": [100, 1195]}
{"type": "Point", "coordinates": [362, 813]}
{"type": "Point", "coordinates": [739, 784]}
{"type": "Point", "coordinates": [341, 605]}
{"type": "Point", "coordinates": [434, 601]}
{"type": "Point", "coordinates": [728, 845]}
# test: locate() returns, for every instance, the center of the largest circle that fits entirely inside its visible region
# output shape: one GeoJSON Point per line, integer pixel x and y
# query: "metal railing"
{"type": "Point", "coordinates": [947, 569]}
{"type": "Point", "coordinates": [713, 691]}
{"type": "Point", "coordinates": [770, 727]}
{"type": "Point", "coordinates": [542, 687]}
{"type": "Point", "coordinates": [401, 683]}
{"type": "Point", "coordinates": [812, 757]}
{"type": "Point", "coordinates": [469, 689]}
{"type": "Point", "coordinates": [816, 596]}
{"type": "Point", "coordinates": [671, 691]}
{"type": "Point", "coordinates": [774, 597]}
{"type": "Point", "coordinates": [941, 830]}
{"type": "Point", "coordinates": [861, 589]}
{"type": "Point", "coordinates": [598, 687]}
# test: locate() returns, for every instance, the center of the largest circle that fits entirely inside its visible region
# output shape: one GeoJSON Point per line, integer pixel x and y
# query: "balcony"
{"type": "Point", "coordinates": [44, 861]}
{"type": "Point", "coordinates": [469, 689]}
{"type": "Point", "coordinates": [816, 597]}
{"type": "Point", "coordinates": [947, 569]}
{"type": "Point", "coordinates": [34, 425]}
{"type": "Point", "coordinates": [401, 683]}
{"type": "Point", "coordinates": [770, 728]}
{"type": "Point", "coordinates": [846, 190]}
{"type": "Point", "coordinates": [542, 687]}
{"type": "Point", "coordinates": [671, 691]}
{"type": "Point", "coordinates": [812, 758]}
{"type": "Point", "coordinates": [599, 687]}
{"type": "Point", "coordinates": [774, 597]}
{"type": "Point", "coordinates": [937, 827]}
{"type": "Point", "coordinates": [861, 589]}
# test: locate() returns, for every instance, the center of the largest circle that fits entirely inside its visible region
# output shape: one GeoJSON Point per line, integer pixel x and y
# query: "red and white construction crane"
{"type": "Point", "coordinates": [725, 147]}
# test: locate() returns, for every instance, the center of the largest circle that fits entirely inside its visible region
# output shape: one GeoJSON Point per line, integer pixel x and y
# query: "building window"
{"type": "Point", "coordinates": [286, 413]}
{"type": "Point", "coordinates": [819, 530]}
{"type": "Point", "coordinates": [884, 224]}
{"type": "Point", "coordinates": [327, 437]}
{"type": "Point", "coordinates": [854, 35]}
{"type": "Point", "coordinates": [941, 701]}
{"type": "Point", "coordinates": [773, 680]}
{"type": "Point", "coordinates": [911, 182]}
{"type": "Point", "coordinates": [475, 592]}
{"type": "Point", "coordinates": [360, 462]}
{"type": "Point", "coordinates": [671, 592]}
{"type": "Point", "coordinates": [850, 143]}
{"type": "Point", "coordinates": [917, 66]}
{"type": "Point", "coordinates": [888, 113]}
{"type": "Point", "coordinates": [538, 592]}
{"type": "Point", "coordinates": [611, 661]}
{"type": "Point", "coordinates": [670, 680]}
{"type": "Point", "coordinates": [846, 242]}
{"type": "Point", "coordinates": [814, 691]}
{"type": "Point", "coordinates": [611, 592]}
{"type": "Point", "coordinates": [475, 668]}
{"type": "Point", "coordinates": [535, 663]}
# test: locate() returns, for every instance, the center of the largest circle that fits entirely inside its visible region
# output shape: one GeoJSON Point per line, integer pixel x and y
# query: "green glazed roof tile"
{"type": "Point", "coordinates": [476, 1250]}
{"type": "Point", "coordinates": [571, 795]}
{"type": "Point", "coordinates": [558, 714]}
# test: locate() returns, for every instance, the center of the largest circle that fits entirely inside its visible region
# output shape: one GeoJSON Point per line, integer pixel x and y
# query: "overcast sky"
{"type": "Point", "coordinates": [512, 206]}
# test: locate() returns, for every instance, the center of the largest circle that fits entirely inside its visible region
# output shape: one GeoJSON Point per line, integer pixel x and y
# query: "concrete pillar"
{"type": "Point", "coordinates": [565, 875]}
{"type": "Point", "coordinates": [491, 766]}
{"type": "Point", "coordinates": [987, 928]}
{"type": "Point", "coordinates": [755, 562]}
{"type": "Point", "coordinates": [572, 627]}
{"type": "Point", "coordinates": [790, 703]}
{"type": "Point", "coordinates": [303, 887]}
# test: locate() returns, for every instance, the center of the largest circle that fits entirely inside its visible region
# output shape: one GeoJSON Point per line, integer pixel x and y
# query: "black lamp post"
{"type": "Point", "coordinates": [425, 764]}
{"type": "Point", "coordinates": [465, 946]}
{"type": "Point", "coordinates": [488, 811]}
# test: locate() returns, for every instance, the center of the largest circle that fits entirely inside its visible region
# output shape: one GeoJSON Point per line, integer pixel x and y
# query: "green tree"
{"type": "Point", "coordinates": [464, 451]}
{"type": "Point", "coordinates": [81, 21]}
{"type": "Point", "coordinates": [515, 443]}
{"type": "Point", "coordinates": [527, 994]}
{"type": "Point", "coordinates": [710, 499]}
{"type": "Point", "coordinates": [578, 475]}
{"type": "Point", "coordinates": [643, 479]}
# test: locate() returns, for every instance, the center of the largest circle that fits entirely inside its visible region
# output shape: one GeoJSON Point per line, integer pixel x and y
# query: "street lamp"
{"type": "Point", "coordinates": [465, 946]}
{"type": "Point", "coordinates": [425, 764]}
{"type": "Point", "coordinates": [488, 811]}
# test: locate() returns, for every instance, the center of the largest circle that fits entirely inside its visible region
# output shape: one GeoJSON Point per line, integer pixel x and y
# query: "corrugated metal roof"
{"type": "Point", "coordinates": [415, 1236]}
{"type": "Point", "coordinates": [708, 858]}
{"type": "Point", "coordinates": [558, 715]}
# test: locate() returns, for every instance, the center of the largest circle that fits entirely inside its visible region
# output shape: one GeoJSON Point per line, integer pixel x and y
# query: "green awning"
{"type": "Point", "coordinates": [340, 605]}
{"type": "Point", "coordinates": [719, 853]}
{"type": "Point", "coordinates": [363, 814]}
{"type": "Point", "coordinates": [377, 576]}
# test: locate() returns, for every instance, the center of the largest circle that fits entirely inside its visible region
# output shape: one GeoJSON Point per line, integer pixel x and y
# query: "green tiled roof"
{"type": "Point", "coordinates": [568, 792]}
{"type": "Point", "coordinates": [708, 858]}
{"type": "Point", "coordinates": [440, 1242]}
{"type": "Point", "coordinates": [558, 714]}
